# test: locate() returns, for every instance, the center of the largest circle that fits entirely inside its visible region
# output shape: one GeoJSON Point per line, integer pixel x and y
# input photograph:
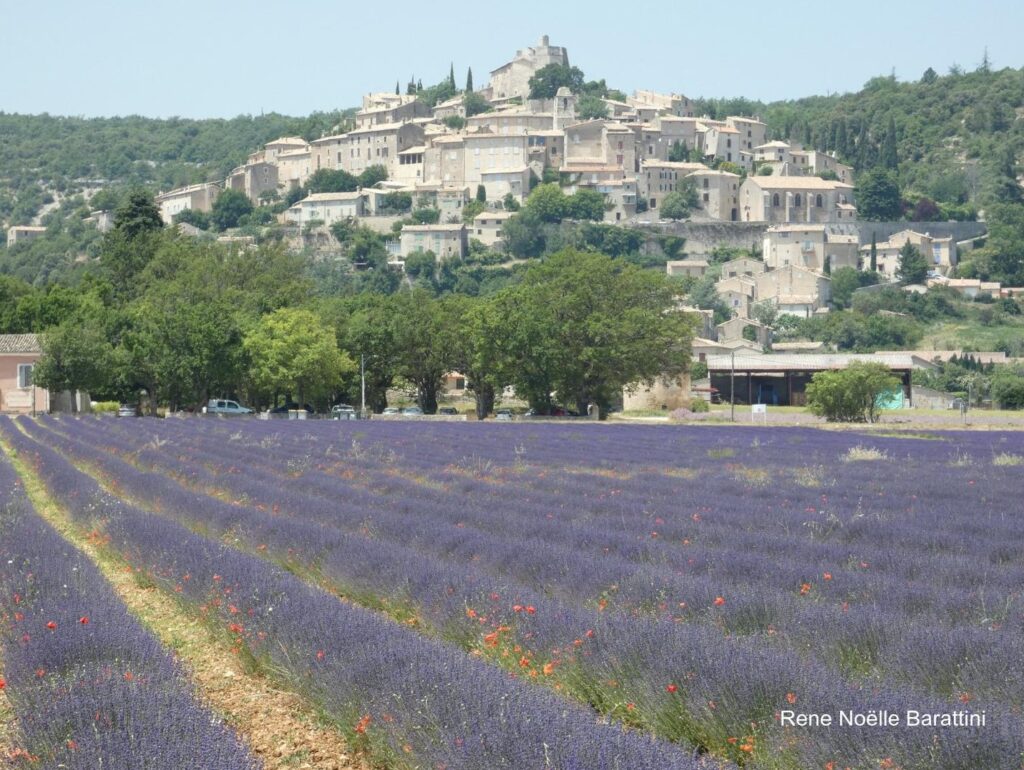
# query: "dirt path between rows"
{"type": "Point", "coordinates": [284, 731]}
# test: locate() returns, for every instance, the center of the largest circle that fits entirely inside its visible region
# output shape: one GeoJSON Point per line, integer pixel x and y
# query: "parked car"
{"type": "Point", "coordinates": [412, 411]}
{"type": "Point", "coordinates": [957, 403]}
{"type": "Point", "coordinates": [291, 407]}
{"type": "Point", "coordinates": [391, 410]}
{"type": "Point", "coordinates": [447, 410]}
{"type": "Point", "coordinates": [226, 407]}
{"type": "Point", "coordinates": [126, 410]}
{"type": "Point", "coordinates": [343, 412]}
{"type": "Point", "coordinates": [503, 415]}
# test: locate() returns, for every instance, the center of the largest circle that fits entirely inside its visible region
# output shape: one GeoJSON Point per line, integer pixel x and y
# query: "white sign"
{"type": "Point", "coordinates": [759, 408]}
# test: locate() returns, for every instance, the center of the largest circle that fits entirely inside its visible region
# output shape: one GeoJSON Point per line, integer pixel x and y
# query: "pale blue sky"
{"type": "Point", "coordinates": [221, 58]}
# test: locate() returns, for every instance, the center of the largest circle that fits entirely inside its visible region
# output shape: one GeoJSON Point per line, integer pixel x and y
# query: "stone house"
{"type": "Point", "coordinates": [446, 241]}
{"type": "Point", "coordinates": [794, 290]}
{"type": "Point", "coordinates": [940, 253]}
{"type": "Point", "coordinates": [657, 178]}
{"type": "Point", "coordinates": [693, 268]}
{"type": "Point", "coordinates": [23, 234]}
{"type": "Point", "coordinates": [198, 197]}
{"type": "Point", "coordinates": [790, 199]}
{"type": "Point", "coordinates": [512, 79]}
{"type": "Point", "coordinates": [487, 227]}
{"type": "Point", "coordinates": [809, 246]}
{"type": "Point", "coordinates": [327, 208]}
{"type": "Point", "coordinates": [387, 108]}
{"type": "Point", "coordinates": [717, 194]}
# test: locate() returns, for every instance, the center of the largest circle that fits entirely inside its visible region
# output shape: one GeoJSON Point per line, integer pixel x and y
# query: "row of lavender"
{"type": "Point", "coordinates": [749, 673]}
{"type": "Point", "coordinates": [880, 601]}
{"type": "Point", "coordinates": [408, 696]}
{"type": "Point", "coordinates": [89, 686]}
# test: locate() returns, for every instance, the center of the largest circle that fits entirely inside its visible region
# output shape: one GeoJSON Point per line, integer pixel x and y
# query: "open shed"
{"type": "Point", "coordinates": [781, 380]}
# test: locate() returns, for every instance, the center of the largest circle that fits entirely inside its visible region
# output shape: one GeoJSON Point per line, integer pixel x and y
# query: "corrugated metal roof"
{"type": "Point", "coordinates": [815, 362]}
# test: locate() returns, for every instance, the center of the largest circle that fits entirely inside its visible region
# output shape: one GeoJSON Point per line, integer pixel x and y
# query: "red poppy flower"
{"type": "Point", "coordinates": [719, 601]}
{"type": "Point", "coordinates": [84, 620]}
{"type": "Point", "coordinates": [790, 698]}
{"type": "Point", "coordinates": [3, 683]}
{"type": "Point", "coordinates": [52, 626]}
{"type": "Point", "coordinates": [531, 610]}
{"type": "Point", "coordinates": [671, 688]}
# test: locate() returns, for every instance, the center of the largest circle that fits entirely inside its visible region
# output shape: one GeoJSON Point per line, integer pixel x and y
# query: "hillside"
{"type": "Point", "coordinates": [954, 135]}
{"type": "Point", "coordinates": [44, 154]}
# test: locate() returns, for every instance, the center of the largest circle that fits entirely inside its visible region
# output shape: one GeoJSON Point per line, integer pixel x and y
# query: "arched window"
{"type": "Point", "coordinates": [818, 201]}
{"type": "Point", "coordinates": [775, 200]}
{"type": "Point", "coordinates": [797, 200]}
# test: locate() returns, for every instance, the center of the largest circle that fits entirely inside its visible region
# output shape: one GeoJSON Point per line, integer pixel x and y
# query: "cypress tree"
{"type": "Point", "coordinates": [889, 158]}
{"type": "Point", "coordinates": [874, 253]}
{"type": "Point", "coordinates": [469, 80]}
{"type": "Point", "coordinates": [397, 92]}
{"type": "Point", "coordinates": [842, 148]}
{"type": "Point", "coordinates": [451, 75]}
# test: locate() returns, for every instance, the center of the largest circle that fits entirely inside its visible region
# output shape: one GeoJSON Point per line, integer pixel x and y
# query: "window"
{"type": "Point", "coordinates": [775, 200]}
{"type": "Point", "coordinates": [706, 198]}
{"type": "Point", "coordinates": [818, 201]}
{"type": "Point", "coordinates": [25, 375]}
{"type": "Point", "coordinates": [705, 184]}
{"type": "Point", "coordinates": [797, 200]}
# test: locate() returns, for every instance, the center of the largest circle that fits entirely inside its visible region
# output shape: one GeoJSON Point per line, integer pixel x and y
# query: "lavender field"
{"type": "Point", "coordinates": [585, 596]}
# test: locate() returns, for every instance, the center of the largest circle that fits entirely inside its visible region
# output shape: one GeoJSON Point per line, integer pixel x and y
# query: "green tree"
{"type": "Point", "coordinates": [424, 332]}
{"type": "Point", "coordinates": [76, 356]}
{"type": "Point", "coordinates": [912, 267]}
{"type": "Point", "coordinates": [850, 394]}
{"type": "Point", "coordinates": [585, 204]}
{"type": "Point", "coordinates": [878, 196]}
{"type": "Point", "coordinates": [549, 78]}
{"type": "Point", "coordinates": [591, 108]}
{"type": "Point", "coordinates": [845, 281]}
{"type": "Point", "coordinates": [890, 158]}
{"type": "Point", "coordinates": [547, 203]}
{"type": "Point", "coordinates": [230, 206]}
{"type": "Point", "coordinates": [292, 351]}
{"type": "Point", "coordinates": [474, 104]}
{"type": "Point", "coordinates": [1008, 389]}
{"type": "Point", "coordinates": [372, 175]}
{"type": "Point", "coordinates": [584, 326]}
{"type": "Point", "coordinates": [193, 217]}
{"type": "Point", "coordinates": [469, 80]}
{"type": "Point", "coordinates": [481, 193]}
{"type": "Point", "coordinates": [426, 216]}
{"type": "Point", "coordinates": [137, 216]}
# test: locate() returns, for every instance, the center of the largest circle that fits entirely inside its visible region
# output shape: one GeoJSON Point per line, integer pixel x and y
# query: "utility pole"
{"type": "Point", "coordinates": [732, 387]}
{"type": "Point", "coordinates": [362, 383]}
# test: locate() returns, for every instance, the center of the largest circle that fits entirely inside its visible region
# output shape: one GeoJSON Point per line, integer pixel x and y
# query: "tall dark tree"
{"type": "Point", "coordinates": [397, 91]}
{"type": "Point", "coordinates": [912, 267]}
{"type": "Point", "coordinates": [889, 157]}
{"type": "Point", "coordinates": [137, 215]}
{"type": "Point", "coordinates": [878, 196]}
{"type": "Point", "coordinates": [451, 75]}
{"type": "Point", "coordinates": [469, 80]}
{"type": "Point", "coordinates": [874, 252]}
{"type": "Point", "coordinates": [842, 139]}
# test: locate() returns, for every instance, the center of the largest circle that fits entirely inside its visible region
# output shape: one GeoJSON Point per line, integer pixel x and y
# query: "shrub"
{"type": "Point", "coordinates": [862, 453]}
{"type": "Point", "coordinates": [851, 394]}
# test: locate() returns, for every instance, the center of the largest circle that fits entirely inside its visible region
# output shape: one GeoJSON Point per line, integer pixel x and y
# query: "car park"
{"type": "Point", "coordinates": [412, 411]}
{"type": "Point", "coordinates": [391, 410]}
